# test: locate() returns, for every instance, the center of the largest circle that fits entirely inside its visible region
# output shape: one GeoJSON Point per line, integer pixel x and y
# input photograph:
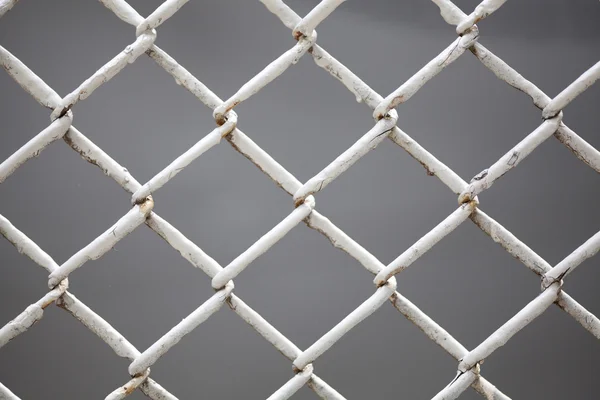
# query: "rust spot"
{"type": "Point", "coordinates": [300, 201]}
{"type": "Point", "coordinates": [429, 172]}
{"type": "Point", "coordinates": [399, 99]}
{"type": "Point", "coordinates": [220, 120]}
{"type": "Point", "coordinates": [230, 304]}
{"type": "Point", "coordinates": [46, 304]}
{"type": "Point", "coordinates": [147, 205]}
{"type": "Point", "coordinates": [473, 203]}
{"type": "Point", "coordinates": [465, 197]}
{"type": "Point", "coordinates": [128, 389]}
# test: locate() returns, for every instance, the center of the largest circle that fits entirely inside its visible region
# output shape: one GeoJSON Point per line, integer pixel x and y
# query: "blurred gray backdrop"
{"type": "Point", "coordinates": [304, 119]}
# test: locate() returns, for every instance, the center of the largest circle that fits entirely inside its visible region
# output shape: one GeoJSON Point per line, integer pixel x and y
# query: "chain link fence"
{"type": "Point", "coordinates": [468, 373]}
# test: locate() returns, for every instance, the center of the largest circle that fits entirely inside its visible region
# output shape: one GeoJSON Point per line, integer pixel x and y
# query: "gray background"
{"type": "Point", "coordinates": [304, 119]}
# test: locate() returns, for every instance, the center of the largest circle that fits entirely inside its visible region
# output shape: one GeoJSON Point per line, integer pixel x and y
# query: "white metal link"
{"type": "Point", "coordinates": [433, 67]}
{"type": "Point", "coordinates": [426, 242]}
{"type": "Point", "coordinates": [5, 393]}
{"type": "Point", "coordinates": [586, 80]}
{"type": "Point", "coordinates": [303, 30]}
{"type": "Point", "coordinates": [104, 74]}
{"type": "Point", "coordinates": [56, 130]}
{"type": "Point", "coordinates": [485, 8]}
{"type": "Point", "coordinates": [266, 76]}
{"type": "Point", "coordinates": [368, 142]}
{"type": "Point", "coordinates": [171, 338]}
{"type": "Point", "coordinates": [103, 243]}
{"type": "Point", "coordinates": [263, 244]}
{"type": "Point", "coordinates": [29, 81]}
{"type": "Point", "coordinates": [315, 17]}
{"type": "Point", "coordinates": [159, 16]}
{"type": "Point", "coordinates": [486, 178]}
{"type": "Point", "coordinates": [207, 142]}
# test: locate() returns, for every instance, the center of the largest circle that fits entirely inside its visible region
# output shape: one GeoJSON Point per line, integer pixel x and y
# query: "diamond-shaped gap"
{"type": "Point", "coordinates": [391, 358]}
{"type": "Point", "coordinates": [249, 38]}
{"type": "Point", "coordinates": [548, 201]}
{"type": "Point", "coordinates": [15, 103]}
{"type": "Point", "coordinates": [383, 12]}
{"type": "Point", "coordinates": [385, 43]}
{"type": "Point", "coordinates": [59, 358]}
{"type": "Point", "coordinates": [305, 393]}
{"type": "Point", "coordinates": [542, 358]}
{"type": "Point", "coordinates": [304, 286]}
{"type": "Point", "coordinates": [224, 358]}
{"type": "Point", "coordinates": [467, 5]}
{"type": "Point", "coordinates": [143, 287]}
{"type": "Point", "coordinates": [386, 201]}
{"type": "Point", "coordinates": [304, 119]}
{"type": "Point", "coordinates": [551, 51]}
{"type": "Point", "coordinates": [64, 42]}
{"type": "Point", "coordinates": [145, 7]}
{"type": "Point", "coordinates": [467, 117]}
{"type": "Point", "coordinates": [143, 119]}
{"type": "Point", "coordinates": [468, 284]}
{"type": "Point", "coordinates": [223, 203]}
{"type": "Point", "coordinates": [22, 282]}
{"type": "Point", "coordinates": [61, 202]}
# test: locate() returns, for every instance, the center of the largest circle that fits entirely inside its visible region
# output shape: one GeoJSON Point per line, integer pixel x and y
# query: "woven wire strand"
{"type": "Point", "coordinates": [304, 210]}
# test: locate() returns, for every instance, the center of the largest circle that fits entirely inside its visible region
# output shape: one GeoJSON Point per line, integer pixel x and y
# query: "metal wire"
{"type": "Point", "coordinates": [303, 30]}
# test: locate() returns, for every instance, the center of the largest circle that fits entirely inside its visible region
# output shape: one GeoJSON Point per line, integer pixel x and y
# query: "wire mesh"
{"type": "Point", "coordinates": [385, 126]}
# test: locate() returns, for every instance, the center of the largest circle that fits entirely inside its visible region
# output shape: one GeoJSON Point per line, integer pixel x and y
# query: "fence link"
{"type": "Point", "coordinates": [384, 126]}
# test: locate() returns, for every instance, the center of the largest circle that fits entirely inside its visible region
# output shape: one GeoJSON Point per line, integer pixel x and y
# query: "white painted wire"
{"type": "Point", "coordinates": [303, 30]}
